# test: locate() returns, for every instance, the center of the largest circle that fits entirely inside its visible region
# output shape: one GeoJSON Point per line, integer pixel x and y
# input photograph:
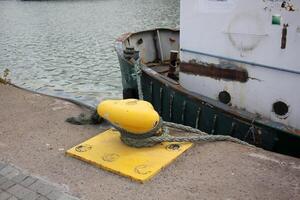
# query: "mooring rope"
{"type": "Point", "coordinates": [74, 101]}
{"type": "Point", "coordinates": [138, 74]}
{"type": "Point", "coordinates": [83, 118]}
{"type": "Point", "coordinates": [161, 134]}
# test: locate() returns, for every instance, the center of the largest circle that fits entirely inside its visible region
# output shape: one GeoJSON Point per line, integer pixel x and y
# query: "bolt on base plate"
{"type": "Point", "coordinates": [107, 151]}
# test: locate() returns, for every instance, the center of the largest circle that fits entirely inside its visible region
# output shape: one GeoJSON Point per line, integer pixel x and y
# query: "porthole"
{"type": "Point", "coordinates": [224, 97]}
{"type": "Point", "coordinates": [140, 41]}
{"type": "Point", "coordinates": [280, 108]}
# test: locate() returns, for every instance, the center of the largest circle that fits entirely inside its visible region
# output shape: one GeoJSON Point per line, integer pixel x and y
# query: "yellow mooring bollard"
{"type": "Point", "coordinates": [135, 118]}
{"type": "Point", "coordinates": [132, 115]}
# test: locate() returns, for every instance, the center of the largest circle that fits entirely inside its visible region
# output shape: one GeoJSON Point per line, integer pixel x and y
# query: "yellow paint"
{"type": "Point", "coordinates": [108, 152]}
{"type": "Point", "coordinates": [135, 116]}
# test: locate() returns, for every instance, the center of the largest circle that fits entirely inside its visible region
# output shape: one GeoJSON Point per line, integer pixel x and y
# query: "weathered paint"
{"type": "Point", "coordinates": [123, 37]}
{"type": "Point", "coordinates": [175, 103]}
{"type": "Point", "coordinates": [205, 28]}
{"type": "Point", "coordinates": [225, 71]}
{"type": "Point", "coordinates": [108, 152]}
{"type": "Point", "coordinates": [242, 33]}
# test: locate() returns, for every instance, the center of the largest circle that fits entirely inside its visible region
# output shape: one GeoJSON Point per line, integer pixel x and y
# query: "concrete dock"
{"type": "Point", "coordinates": [34, 137]}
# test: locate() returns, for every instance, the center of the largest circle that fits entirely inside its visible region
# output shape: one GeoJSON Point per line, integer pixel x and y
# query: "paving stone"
{"type": "Point", "coordinates": [19, 191]}
{"type": "Point", "coordinates": [67, 197]}
{"type": "Point", "coordinates": [14, 185]}
{"type": "Point", "coordinates": [54, 195]}
{"type": "Point", "coordinates": [42, 198]}
{"type": "Point", "coordinates": [20, 177]}
{"type": "Point", "coordinates": [12, 198]}
{"type": "Point", "coordinates": [28, 181]}
{"type": "Point", "coordinates": [41, 187]}
{"type": "Point", "coordinates": [6, 185]}
{"type": "Point", "coordinates": [3, 179]}
{"type": "Point", "coordinates": [6, 170]}
{"type": "Point", "coordinates": [31, 196]}
{"type": "Point", "coordinates": [4, 195]}
{"type": "Point", "coordinates": [2, 165]}
{"type": "Point", "coordinates": [12, 174]}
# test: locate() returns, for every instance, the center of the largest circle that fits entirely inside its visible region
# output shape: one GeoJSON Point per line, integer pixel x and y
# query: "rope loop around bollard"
{"type": "Point", "coordinates": [160, 133]}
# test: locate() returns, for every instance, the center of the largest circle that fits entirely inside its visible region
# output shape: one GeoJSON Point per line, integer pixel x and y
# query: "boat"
{"type": "Point", "coordinates": [232, 69]}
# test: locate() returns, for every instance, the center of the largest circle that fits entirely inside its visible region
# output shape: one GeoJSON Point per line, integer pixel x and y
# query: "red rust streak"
{"type": "Point", "coordinates": [214, 71]}
{"type": "Point", "coordinates": [123, 37]}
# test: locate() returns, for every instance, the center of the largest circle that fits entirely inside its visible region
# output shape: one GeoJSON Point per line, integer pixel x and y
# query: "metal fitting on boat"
{"type": "Point", "coordinates": [172, 65]}
{"type": "Point", "coordinates": [128, 52]}
{"type": "Point", "coordinates": [284, 36]}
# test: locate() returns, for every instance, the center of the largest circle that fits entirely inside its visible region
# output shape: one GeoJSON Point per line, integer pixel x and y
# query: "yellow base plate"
{"type": "Point", "coordinates": [107, 151]}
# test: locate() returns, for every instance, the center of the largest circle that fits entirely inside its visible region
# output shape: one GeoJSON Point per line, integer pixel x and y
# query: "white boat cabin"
{"type": "Point", "coordinates": [243, 53]}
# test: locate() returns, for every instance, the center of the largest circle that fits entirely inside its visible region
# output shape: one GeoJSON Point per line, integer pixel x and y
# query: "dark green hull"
{"type": "Point", "coordinates": [177, 105]}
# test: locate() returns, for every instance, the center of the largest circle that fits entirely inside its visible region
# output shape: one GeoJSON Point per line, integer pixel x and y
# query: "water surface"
{"type": "Point", "coordinates": [65, 48]}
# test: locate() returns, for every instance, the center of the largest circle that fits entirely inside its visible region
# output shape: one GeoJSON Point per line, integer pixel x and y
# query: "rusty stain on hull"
{"type": "Point", "coordinates": [123, 37]}
{"type": "Point", "coordinates": [232, 73]}
{"type": "Point", "coordinates": [239, 114]}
